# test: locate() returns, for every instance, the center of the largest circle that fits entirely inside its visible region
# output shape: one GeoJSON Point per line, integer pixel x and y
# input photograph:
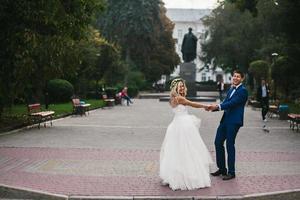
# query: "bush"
{"type": "Point", "coordinates": [133, 91]}
{"type": "Point", "coordinates": [60, 90]}
{"type": "Point", "coordinates": [136, 79]}
{"type": "Point", "coordinates": [259, 69]}
{"type": "Point", "coordinates": [111, 92]}
{"type": "Point", "coordinates": [210, 82]}
{"type": "Point", "coordinates": [93, 95]}
{"type": "Point", "coordinates": [206, 86]}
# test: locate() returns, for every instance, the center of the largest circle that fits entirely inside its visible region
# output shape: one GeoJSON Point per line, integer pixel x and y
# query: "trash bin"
{"type": "Point", "coordinates": [283, 111]}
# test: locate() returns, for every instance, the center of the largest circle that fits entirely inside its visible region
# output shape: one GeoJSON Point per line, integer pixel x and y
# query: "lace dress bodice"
{"type": "Point", "coordinates": [180, 109]}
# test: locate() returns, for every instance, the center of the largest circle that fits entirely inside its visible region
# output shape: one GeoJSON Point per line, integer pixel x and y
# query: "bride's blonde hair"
{"type": "Point", "coordinates": [174, 87]}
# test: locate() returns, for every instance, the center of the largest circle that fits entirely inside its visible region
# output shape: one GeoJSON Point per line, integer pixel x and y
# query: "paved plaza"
{"type": "Point", "coordinates": [113, 153]}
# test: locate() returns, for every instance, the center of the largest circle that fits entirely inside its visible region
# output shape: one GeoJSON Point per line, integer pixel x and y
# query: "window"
{"type": "Point", "coordinates": [203, 77]}
{"type": "Point", "coordinates": [179, 34]}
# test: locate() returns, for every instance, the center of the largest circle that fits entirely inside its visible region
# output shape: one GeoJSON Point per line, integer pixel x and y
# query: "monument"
{"type": "Point", "coordinates": [188, 68]}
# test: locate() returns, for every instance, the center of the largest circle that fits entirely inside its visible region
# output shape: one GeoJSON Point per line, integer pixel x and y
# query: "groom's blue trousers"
{"type": "Point", "coordinates": [226, 132]}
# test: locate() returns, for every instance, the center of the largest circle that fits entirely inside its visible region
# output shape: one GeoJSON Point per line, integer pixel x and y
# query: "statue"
{"type": "Point", "coordinates": [189, 46]}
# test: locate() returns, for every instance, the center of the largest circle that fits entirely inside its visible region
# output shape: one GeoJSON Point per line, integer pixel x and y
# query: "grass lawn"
{"type": "Point", "coordinates": [294, 108]}
{"type": "Point", "coordinates": [16, 116]}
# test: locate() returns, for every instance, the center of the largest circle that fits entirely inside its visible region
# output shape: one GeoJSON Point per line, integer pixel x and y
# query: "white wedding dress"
{"type": "Point", "coordinates": [184, 158]}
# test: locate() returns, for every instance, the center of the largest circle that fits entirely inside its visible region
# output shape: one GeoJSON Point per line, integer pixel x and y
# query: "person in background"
{"type": "Point", "coordinates": [221, 89]}
{"type": "Point", "coordinates": [263, 97]}
{"type": "Point", "coordinates": [125, 96]}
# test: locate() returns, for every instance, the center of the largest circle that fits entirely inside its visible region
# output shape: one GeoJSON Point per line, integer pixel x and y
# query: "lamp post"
{"type": "Point", "coordinates": [274, 56]}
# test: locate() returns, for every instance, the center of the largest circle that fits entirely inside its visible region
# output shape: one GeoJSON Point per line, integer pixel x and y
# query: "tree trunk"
{"type": "Point", "coordinates": [128, 60]}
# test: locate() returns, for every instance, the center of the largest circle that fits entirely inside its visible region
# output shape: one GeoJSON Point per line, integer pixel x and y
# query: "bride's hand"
{"type": "Point", "coordinates": [206, 107]}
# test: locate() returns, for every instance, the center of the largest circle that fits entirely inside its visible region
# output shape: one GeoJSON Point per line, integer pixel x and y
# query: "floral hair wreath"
{"type": "Point", "coordinates": [175, 81]}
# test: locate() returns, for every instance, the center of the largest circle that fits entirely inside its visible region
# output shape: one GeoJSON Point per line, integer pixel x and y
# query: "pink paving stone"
{"type": "Point", "coordinates": [15, 160]}
{"type": "Point", "coordinates": [112, 186]}
{"type": "Point", "coordinates": [76, 153]}
{"type": "Point", "coordinates": [104, 154]}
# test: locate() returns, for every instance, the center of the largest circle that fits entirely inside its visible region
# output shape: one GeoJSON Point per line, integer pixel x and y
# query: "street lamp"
{"type": "Point", "coordinates": [274, 55]}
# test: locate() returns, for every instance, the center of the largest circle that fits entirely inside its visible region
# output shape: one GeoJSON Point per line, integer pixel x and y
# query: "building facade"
{"type": "Point", "coordinates": [183, 20]}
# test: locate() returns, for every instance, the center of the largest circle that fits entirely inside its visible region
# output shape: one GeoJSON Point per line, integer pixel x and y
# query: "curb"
{"type": "Point", "coordinates": [28, 127]}
{"type": "Point", "coordinates": [21, 128]}
{"type": "Point", "coordinates": [19, 192]}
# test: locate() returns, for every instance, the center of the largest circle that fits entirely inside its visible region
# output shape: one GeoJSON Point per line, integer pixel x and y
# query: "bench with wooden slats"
{"type": "Point", "coordinates": [36, 115]}
{"type": "Point", "coordinates": [294, 121]}
{"type": "Point", "coordinates": [80, 108]}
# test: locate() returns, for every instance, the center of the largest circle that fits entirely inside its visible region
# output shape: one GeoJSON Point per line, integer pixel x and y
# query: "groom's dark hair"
{"type": "Point", "coordinates": [239, 72]}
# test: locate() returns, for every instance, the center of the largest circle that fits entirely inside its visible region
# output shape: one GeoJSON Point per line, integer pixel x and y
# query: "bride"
{"type": "Point", "coordinates": [184, 158]}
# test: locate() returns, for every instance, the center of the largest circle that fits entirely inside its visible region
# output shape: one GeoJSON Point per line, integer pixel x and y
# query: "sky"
{"type": "Point", "coordinates": [190, 3]}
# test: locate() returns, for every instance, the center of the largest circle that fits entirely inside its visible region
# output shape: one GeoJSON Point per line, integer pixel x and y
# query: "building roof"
{"type": "Point", "coordinates": [186, 15]}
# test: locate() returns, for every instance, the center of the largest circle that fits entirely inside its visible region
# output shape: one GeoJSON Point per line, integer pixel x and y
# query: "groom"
{"type": "Point", "coordinates": [231, 121]}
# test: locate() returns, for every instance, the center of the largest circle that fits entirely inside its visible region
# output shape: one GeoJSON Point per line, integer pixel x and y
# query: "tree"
{"type": "Point", "coordinates": [284, 75]}
{"type": "Point", "coordinates": [231, 39]}
{"type": "Point", "coordinates": [259, 69]}
{"type": "Point", "coordinates": [243, 5]}
{"type": "Point", "coordinates": [163, 58]}
{"type": "Point", "coordinates": [279, 21]}
{"type": "Point", "coordinates": [241, 31]}
{"type": "Point", "coordinates": [38, 40]}
{"type": "Point", "coordinates": [144, 33]}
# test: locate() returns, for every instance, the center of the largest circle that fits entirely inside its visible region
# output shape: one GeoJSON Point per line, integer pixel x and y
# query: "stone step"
{"type": "Point", "coordinates": [202, 94]}
{"type": "Point", "coordinates": [197, 99]}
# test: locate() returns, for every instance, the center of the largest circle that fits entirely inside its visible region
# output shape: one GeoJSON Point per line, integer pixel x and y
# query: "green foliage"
{"type": "Point", "coordinates": [133, 91]}
{"type": "Point", "coordinates": [39, 41]}
{"type": "Point", "coordinates": [1, 105]}
{"type": "Point", "coordinates": [164, 59]}
{"type": "Point", "coordinates": [17, 116]}
{"type": "Point", "coordinates": [136, 79]}
{"type": "Point", "coordinates": [245, 5]}
{"type": "Point", "coordinates": [259, 69]}
{"type": "Point", "coordinates": [144, 33]}
{"type": "Point", "coordinates": [111, 92]}
{"type": "Point", "coordinates": [60, 90]}
{"type": "Point", "coordinates": [232, 38]}
{"type": "Point", "coordinates": [209, 82]}
{"type": "Point", "coordinates": [284, 75]}
{"type": "Point", "coordinates": [99, 61]}
{"type": "Point", "coordinates": [241, 31]}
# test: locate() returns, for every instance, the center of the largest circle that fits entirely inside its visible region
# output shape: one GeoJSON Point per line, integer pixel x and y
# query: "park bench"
{"type": "Point", "coordinates": [36, 114]}
{"type": "Point", "coordinates": [294, 121]}
{"type": "Point", "coordinates": [253, 103]}
{"type": "Point", "coordinates": [273, 111]}
{"type": "Point", "coordinates": [80, 107]}
{"type": "Point", "coordinates": [108, 101]}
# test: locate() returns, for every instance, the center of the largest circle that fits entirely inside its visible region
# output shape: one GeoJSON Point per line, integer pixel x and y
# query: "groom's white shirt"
{"type": "Point", "coordinates": [219, 105]}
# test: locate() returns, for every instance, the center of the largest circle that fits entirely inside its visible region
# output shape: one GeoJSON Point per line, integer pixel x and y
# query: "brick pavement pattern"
{"type": "Point", "coordinates": [115, 152]}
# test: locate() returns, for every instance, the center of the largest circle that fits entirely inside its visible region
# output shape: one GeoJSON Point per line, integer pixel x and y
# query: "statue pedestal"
{"type": "Point", "coordinates": [188, 73]}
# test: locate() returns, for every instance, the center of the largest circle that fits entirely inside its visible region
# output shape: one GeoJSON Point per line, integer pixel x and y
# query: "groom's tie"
{"type": "Point", "coordinates": [232, 92]}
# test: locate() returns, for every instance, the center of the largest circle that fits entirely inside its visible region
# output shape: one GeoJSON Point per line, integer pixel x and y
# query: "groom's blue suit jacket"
{"type": "Point", "coordinates": [234, 106]}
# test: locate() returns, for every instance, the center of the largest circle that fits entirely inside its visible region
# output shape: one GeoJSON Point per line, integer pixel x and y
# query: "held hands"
{"type": "Point", "coordinates": [211, 107]}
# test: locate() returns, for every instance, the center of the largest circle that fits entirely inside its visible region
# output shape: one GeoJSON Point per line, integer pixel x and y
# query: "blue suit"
{"type": "Point", "coordinates": [230, 124]}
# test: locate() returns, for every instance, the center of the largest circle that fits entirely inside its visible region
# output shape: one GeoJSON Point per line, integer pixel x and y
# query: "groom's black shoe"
{"type": "Point", "coordinates": [228, 177]}
{"type": "Point", "coordinates": [219, 172]}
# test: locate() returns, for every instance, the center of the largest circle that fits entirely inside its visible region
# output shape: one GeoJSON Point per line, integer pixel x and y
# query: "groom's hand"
{"type": "Point", "coordinates": [215, 107]}
{"type": "Point", "coordinates": [212, 107]}
{"type": "Point", "coordinates": [208, 107]}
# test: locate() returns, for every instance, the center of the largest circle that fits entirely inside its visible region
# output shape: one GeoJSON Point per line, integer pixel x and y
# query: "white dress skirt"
{"type": "Point", "coordinates": [184, 158]}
